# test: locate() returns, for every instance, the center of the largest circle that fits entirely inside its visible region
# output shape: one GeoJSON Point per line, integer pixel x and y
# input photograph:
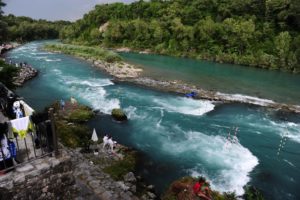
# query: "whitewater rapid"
{"type": "Point", "coordinates": [190, 133]}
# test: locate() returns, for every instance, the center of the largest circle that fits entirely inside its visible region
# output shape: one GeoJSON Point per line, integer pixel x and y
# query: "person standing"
{"type": "Point", "coordinates": [62, 104]}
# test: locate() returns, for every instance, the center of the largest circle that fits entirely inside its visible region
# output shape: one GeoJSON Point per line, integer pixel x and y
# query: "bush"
{"type": "Point", "coordinates": [7, 74]}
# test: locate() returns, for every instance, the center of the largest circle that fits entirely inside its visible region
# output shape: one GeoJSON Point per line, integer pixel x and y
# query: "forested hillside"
{"type": "Point", "coordinates": [261, 33]}
{"type": "Point", "coordinates": [24, 29]}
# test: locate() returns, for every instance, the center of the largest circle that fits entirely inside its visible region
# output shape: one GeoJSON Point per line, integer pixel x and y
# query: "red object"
{"type": "Point", "coordinates": [197, 187]}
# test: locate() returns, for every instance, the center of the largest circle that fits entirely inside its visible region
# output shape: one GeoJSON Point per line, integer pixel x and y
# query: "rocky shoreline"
{"type": "Point", "coordinates": [93, 183]}
{"type": "Point", "coordinates": [25, 73]}
{"type": "Point", "coordinates": [124, 72]}
{"type": "Point", "coordinates": [181, 88]}
{"type": "Point", "coordinates": [119, 70]}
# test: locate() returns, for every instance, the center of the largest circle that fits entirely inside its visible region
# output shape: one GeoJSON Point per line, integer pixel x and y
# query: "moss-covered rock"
{"type": "Point", "coordinates": [71, 130]}
{"type": "Point", "coordinates": [80, 114]}
{"type": "Point", "coordinates": [118, 114]}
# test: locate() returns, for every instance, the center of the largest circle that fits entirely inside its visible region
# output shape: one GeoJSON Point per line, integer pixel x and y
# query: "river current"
{"type": "Point", "coordinates": [231, 144]}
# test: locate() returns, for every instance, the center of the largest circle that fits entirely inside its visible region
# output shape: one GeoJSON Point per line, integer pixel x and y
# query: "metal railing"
{"type": "Point", "coordinates": [40, 143]}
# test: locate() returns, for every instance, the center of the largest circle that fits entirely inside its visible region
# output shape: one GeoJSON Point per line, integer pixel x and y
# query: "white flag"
{"type": "Point", "coordinates": [94, 136]}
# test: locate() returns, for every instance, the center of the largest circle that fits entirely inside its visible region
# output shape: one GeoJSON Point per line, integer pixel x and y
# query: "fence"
{"type": "Point", "coordinates": [42, 142]}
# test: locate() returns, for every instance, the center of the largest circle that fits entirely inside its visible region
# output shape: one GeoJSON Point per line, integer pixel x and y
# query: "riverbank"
{"type": "Point", "coordinates": [99, 172]}
{"type": "Point", "coordinates": [124, 72]}
{"type": "Point", "coordinates": [7, 47]}
{"type": "Point", "coordinates": [25, 73]}
{"type": "Point", "coordinates": [105, 60]}
{"type": "Point", "coordinates": [182, 88]}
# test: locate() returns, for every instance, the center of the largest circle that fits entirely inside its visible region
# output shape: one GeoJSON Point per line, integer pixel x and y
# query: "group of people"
{"type": "Point", "coordinates": [21, 64]}
{"type": "Point", "coordinates": [108, 143]}
{"type": "Point", "coordinates": [63, 103]}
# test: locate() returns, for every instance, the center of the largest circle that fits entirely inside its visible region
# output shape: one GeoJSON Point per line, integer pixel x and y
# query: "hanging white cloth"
{"type": "Point", "coordinates": [4, 149]}
{"type": "Point", "coordinates": [21, 126]}
{"type": "Point", "coordinates": [27, 109]}
{"type": "Point", "coordinates": [94, 136]}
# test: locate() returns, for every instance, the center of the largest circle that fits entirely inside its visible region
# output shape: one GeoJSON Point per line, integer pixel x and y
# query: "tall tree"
{"type": "Point", "coordinates": [3, 24]}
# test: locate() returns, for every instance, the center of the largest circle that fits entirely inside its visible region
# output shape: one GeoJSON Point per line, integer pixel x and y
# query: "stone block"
{"type": "Point", "coordinates": [106, 195]}
{"type": "Point", "coordinates": [8, 185]}
{"type": "Point", "coordinates": [32, 174]}
{"type": "Point", "coordinates": [99, 190]}
{"type": "Point", "coordinates": [5, 177]}
{"type": "Point", "coordinates": [130, 177]}
{"type": "Point", "coordinates": [43, 167]}
{"type": "Point", "coordinates": [54, 162]}
{"type": "Point", "coordinates": [25, 168]}
{"type": "Point", "coordinates": [151, 195]}
{"type": "Point", "coordinates": [122, 185]}
{"type": "Point", "coordinates": [19, 178]}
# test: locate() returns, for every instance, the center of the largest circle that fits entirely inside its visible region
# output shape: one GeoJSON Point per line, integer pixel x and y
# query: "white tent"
{"type": "Point", "coordinates": [94, 136]}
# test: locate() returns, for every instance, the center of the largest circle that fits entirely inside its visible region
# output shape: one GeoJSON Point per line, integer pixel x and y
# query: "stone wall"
{"type": "Point", "coordinates": [47, 178]}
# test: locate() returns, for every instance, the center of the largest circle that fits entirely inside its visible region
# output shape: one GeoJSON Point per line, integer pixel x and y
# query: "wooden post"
{"type": "Point", "coordinates": [54, 136]}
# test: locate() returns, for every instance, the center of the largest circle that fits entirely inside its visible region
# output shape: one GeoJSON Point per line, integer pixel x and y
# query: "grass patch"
{"type": "Point", "coordinates": [95, 53]}
{"type": "Point", "coordinates": [120, 168]}
{"type": "Point", "coordinates": [72, 135]}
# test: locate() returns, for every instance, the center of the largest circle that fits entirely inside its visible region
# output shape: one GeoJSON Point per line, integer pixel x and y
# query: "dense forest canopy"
{"type": "Point", "coordinates": [262, 33]}
{"type": "Point", "coordinates": [23, 29]}
{"type": "Point", "coordinates": [26, 29]}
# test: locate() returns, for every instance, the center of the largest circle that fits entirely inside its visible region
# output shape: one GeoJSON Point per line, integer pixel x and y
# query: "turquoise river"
{"type": "Point", "coordinates": [177, 136]}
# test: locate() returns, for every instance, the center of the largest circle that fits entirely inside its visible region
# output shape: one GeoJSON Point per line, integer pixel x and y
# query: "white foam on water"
{"type": "Point", "coordinates": [161, 118]}
{"type": "Point", "coordinates": [91, 91]}
{"type": "Point", "coordinates": [288, 162]}
{"type": "Point", "coordinates": [186, 106]}
{"type": "Point", "coordinates": [131, 112]}
{"type": "Point", "coordinates": [230, 166]}
{"type": "Point", "coordinates": [245, 99]}
{"type": "Point", "coordinates": [41, 57]}
{"type": "Point", "coordinates": [57, 72]}
{"type": "Point", "coordinates": [52, 60]}
{"type": "Point", "coordinates": [91, 82]}
{"type": "Point", "coordinates": [96, 97]}
{"type": "Point", "coordinates": [290, 129]}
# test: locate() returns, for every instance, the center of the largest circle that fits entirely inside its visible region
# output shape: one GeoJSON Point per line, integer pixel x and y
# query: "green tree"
{"type": "Point", "coordinates": [282, 46]}
{"type": "Point", "coordinates": [7, 74]}
{"type": "Point", "coordinates": [3, 24]}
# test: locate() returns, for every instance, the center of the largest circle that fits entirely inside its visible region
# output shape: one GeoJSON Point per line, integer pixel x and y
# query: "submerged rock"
{"type": "Point", "coordinates": [118, 114]}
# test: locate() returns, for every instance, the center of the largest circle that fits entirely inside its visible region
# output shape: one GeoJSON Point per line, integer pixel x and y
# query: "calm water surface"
{"type": "Point", "coordinates": [278, 86]}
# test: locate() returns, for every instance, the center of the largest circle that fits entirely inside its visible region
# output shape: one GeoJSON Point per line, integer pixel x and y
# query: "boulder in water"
{"type": "Point", "coordinates": [118, 114]}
